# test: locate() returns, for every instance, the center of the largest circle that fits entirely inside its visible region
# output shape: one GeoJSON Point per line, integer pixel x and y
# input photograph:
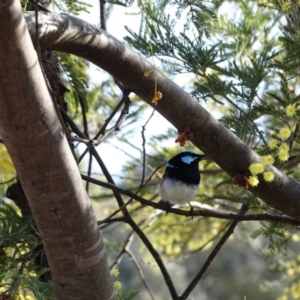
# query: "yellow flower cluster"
{"type": "Point", "coordinates": [114, 272]}
{"type": "Point", "coordinates": [283, 152]}
{"type": "Point", "coordinates": [284, 133]}
{"type": "Point", "coordinates": [253, 180]}
{"type": "Point", "coordinates": [267, 160]}
{"type": "Point", "coordinates": [258, 168]}
{"type": "Point", "coordinates": [290, 110]}
{"type": "Point", "coordinates": [117, 285]}
{"type": "Point", "coordinates": [272, 144]}
{"type": "Point", "coordinates": [283, 149]}
{"type": "Point", "coordinates": [268, 176]}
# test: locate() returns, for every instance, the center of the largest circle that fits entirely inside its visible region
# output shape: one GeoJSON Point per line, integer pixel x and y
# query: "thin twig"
{"type": "Point", "coordinates": [294, 136]}
{"type": "Point", "coordinates": [18, 232]}
{"type": "Point", "coordinates": [202, 212]}
{"type": "Point", "coordinates": [136, 228]}
{"type": "Point", "coordinates": [84, 119]}
{"type": "Point", "coordinates": [144, 146]}
{"type": "Point", "coordinates": [115, 212]}
{"type": "Point", "coordinates": [102, 14]}
{"type": "Point", "coordinates": [127, 243]}
{"type": "Point", "coordinates": [213, 254]}
{"type": "Point", "coordinates": [139, 232]}
{"type": "Point", "coordinates": [253, 123]}
{"type": "Point", "coordinates": [89, 171]}
{"type": "Point", "coordinates": [103, 132]}
{"type": "Point", "coordinates": [209, 240]}
{"type": "Point", "coordinates": [140, 271]}
{"type": "Point", "coordinates": [150, 168]}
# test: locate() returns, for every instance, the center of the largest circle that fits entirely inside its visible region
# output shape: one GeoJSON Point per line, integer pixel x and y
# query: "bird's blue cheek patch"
{"type": "Point", "coordinates": [170, 165]}
{"type": "Point", "coordinates": [187, 159]}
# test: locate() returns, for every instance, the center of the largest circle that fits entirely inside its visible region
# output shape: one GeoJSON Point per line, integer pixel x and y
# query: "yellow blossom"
{"type": "Point", "coordinates": [284, 133]}
{"type": "Point", "coordinates": [269, 176]}
{"type": "Point", "coordinates": [256, 168]}
{"type": "Point", "coordinates": [295, 290]}
{"type": "Point", "coordinates": [283, 152]}
{"type": "Point", "coordinates": [283, 297]}
{"type": "Point", "coordinates": [114, 272]}
{"type": "Point", "coordinates": [147, 73]}
{"type": "Point", "coordinates": [253, 180]}
{"type": "Point", "coordinates": [117, 285]}
{"type": "Point", "coordinates": [267, 160]}
{"type": "Point", "coordinates": [272, 144]}
{"type": "Point", "coordinates": [283, 155]}
{"type": "Point", "coordinates": [286, 6]}
{"type": "Point", "coordinates": [290, 110]}
{"type": "Point", "coordinates": [285, 147]}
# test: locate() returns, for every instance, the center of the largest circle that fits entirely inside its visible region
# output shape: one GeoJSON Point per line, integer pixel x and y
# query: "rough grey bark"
{"type": "Point", "coordinates": [46, 168]}
{"type": "Point", "coordinates": [69, 34]}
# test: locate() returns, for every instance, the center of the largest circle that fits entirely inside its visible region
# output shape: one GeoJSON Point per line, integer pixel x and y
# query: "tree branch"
{"type": "Point", "coordinates": [69, 34]}
{"type": "Point", "coordinates": [202, 212]}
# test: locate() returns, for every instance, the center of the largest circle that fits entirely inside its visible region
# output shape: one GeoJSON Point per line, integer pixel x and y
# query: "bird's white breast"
{"type": "Point", "coordinates": [177, 192]}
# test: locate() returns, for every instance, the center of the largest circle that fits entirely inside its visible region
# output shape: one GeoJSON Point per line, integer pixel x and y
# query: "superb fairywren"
{"type": "Point", "coordinates": [181, 179]}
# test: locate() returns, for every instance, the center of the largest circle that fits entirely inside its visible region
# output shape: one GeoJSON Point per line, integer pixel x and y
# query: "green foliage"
{"type": "Point", "coordinates": [18, 274]}
{"type": "Point", "coordinates": [277, 236]}
{"type": "Point", "coordinates": [124, 295]}
{"type": "Point", "coordinates": [76, 78]}
{"type": "Point", "coordinates": [14, 228]}
{"type": "Point", "coordinates": [74, 7]}
{"type": "Point", "coordinates": [40, 290]}
{"type": "Point", "coordinates": [7, 170]}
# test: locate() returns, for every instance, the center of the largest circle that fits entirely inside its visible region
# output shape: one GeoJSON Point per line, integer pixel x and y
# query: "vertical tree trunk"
{"type": "Point", "coordinates": [49, 175]}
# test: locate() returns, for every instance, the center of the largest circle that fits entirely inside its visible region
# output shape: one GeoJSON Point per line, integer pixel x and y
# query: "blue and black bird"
{"type": "Point", "coordinates": [181, 179]}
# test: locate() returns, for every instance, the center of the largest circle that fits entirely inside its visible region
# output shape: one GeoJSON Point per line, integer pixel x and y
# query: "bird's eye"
{"type": "Point", "coordinates": [187, 159]}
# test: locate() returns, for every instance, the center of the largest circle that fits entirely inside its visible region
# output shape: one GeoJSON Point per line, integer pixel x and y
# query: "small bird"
{"type": "Point", "coordinates": [181, 179]}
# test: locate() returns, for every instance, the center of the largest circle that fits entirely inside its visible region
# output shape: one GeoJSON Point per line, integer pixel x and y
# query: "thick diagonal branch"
{"type": "Point", "coordinates": [72, 35]}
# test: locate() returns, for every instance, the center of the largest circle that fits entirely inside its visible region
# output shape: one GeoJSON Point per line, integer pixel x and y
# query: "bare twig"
{"type": "Point", "coordinates": [117, 126]}
{"type": "Point", "coordinates": [89, 171]}
{"type": "Point", "coordinates": [37, 44]}
{"type": "Point", "coordinates": [144, 147]}
{"type": "Point", "coordinates": [18, 232]}
{"type": "Point", "coordinates": [84, 119]}
{"type": "Point", "coordinates": [115, 212]}
{"type": "Point", "coordinates": [139, 232]}
{"type": "Point", "coordinates": [253, 123]}
{"type": "Point", "coordinates": [102, 14]}
{"type": "Point", "coordinates": [103, 132]}
{"type": "Point", "coordinates": [126, 249]}
{"type": "Point", "coordinates": [209, 240]}
{"type": "Point", "coordinates": [140, 271]}
{"type": "Point", "coordinates": [127, 244]}
{"type": "Point", "coordinates": [202, 212]}
{"type": "Point", "coordinates": [150, 168]}
{"type": "Point", "coordinates": [213, 254]}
